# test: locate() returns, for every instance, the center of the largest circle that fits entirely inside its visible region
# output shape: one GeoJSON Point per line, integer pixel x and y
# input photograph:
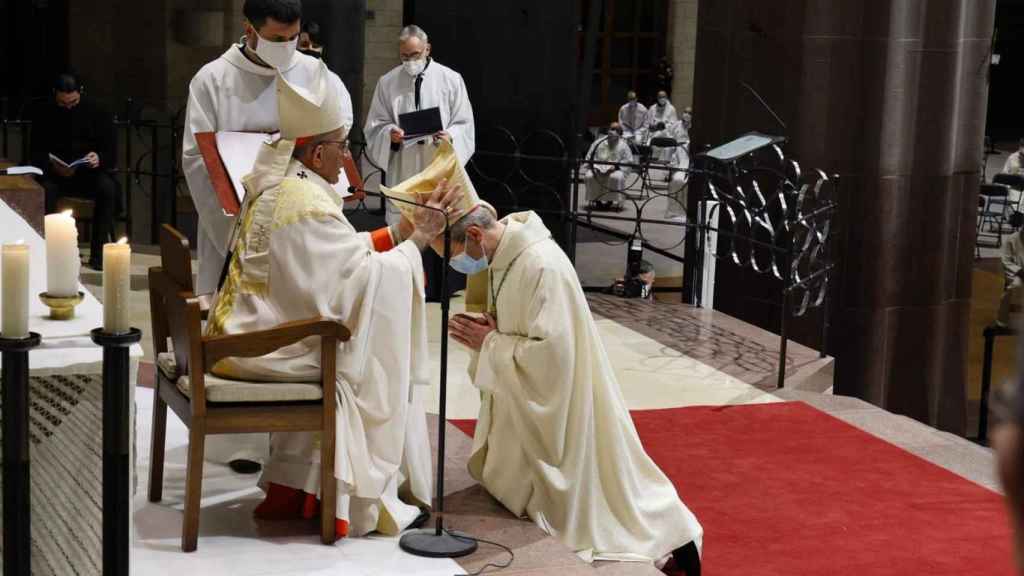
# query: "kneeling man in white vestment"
{"type": "Point", "coordinates": [296, 257]}
{"type": "Point", "coordinates": [554, 440]}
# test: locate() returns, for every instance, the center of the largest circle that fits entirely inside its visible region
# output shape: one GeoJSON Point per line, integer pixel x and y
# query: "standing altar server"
{"type": "Point", "coordinates": [419, 83]}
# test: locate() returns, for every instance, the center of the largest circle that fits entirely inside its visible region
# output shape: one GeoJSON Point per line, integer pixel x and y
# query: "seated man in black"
{"type": "Point", "coordinates": [71, 127]}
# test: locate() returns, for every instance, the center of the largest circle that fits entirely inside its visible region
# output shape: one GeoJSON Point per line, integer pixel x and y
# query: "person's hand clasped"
{"type": "Point", "coordinates": [471, 331]}
{"type": "Point", "coordinates": [430, 223]}
{"type": "Point", "coordinates": [442, 135]}
{"type": "Point", "coordinates": [93, 159]}
{"type": "Point", "coordinates": [396, 135]}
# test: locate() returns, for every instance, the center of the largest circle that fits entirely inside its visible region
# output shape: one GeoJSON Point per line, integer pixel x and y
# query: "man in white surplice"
{"type": "Point", "coordinates": [296, 256]}
{"type": "Point", "coordinates": [418, 84]}
{"type": "Point", "coordinates": [632, 118]}
{"type": "Point", "coordinates": [605, 182]}
{"type": "Point", "coordinates": [554, 440]}
{"type": "Point", "coordinates": [662, 121]}
{"type": "Point", "coordinates": [236, 93]}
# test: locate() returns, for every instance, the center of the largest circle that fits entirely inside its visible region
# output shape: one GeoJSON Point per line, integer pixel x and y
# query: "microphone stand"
{"type": "Point", "coordinates": [437, 542]}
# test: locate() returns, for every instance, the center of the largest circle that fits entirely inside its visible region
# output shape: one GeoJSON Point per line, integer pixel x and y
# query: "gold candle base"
{"type": "Point", "coordinates": [61, 307]}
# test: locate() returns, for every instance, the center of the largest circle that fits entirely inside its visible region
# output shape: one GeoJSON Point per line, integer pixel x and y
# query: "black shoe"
{"type": "Point", "coordinates": [242, 466]}
{"type": "Point", "coordinates": [687, 560]}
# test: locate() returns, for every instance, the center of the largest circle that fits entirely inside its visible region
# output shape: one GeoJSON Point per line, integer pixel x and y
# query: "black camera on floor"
{"type": "Point", "coordinates": [637, 283]}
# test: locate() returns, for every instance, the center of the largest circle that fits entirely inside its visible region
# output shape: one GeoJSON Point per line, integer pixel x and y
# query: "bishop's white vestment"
{"type": "Point", "coordinates": [297, 257]}
{"type": "Point", "coordinates": [395, 94]}
{"type": "Point", "coordinates": [554, 440]}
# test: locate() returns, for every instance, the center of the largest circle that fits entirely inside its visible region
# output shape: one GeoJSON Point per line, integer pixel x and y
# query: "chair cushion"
{"type": "Point", "coordinates": [224, 390]}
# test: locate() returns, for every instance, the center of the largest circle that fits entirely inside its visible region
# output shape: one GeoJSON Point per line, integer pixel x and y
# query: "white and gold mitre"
{"type": "Point", "coordinates": [306, 112]}
{"type": "Point", "coordinates": [418, 188]}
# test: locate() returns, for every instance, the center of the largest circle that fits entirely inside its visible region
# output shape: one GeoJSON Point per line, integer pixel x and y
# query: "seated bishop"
{"type": "Point", "coordinates": [295, 256]}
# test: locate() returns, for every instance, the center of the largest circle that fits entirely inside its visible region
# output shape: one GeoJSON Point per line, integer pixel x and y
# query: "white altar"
{"type": "Point", "coordinates": [66, 349]}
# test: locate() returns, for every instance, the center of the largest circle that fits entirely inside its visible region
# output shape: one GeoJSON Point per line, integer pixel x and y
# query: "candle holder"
{"type": "Point", "coordinates": [116, 448]}
{"type": "Point", "coordinates": [61, 307]}
{"type": "Point", "coordinates": [17, 523]}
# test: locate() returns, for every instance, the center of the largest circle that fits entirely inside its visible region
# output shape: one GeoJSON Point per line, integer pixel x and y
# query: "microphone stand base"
{"type": "Point", "coordinates": [428, 543]}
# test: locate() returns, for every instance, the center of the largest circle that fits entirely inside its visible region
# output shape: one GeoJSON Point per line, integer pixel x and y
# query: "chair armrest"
{"type": "Point", "coordinates": [263, 342]}
{"type": "Point", "coordinates": [205, 300]}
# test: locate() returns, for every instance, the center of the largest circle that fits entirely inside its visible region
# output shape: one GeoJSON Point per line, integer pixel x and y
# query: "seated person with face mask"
{"type": "Point", "coordinates": [662, 122]}
{"type": "Point", "coordinates": [605, 182]}
{"type": "Point", "coordinates": [632, 116]}
{"type": "Point", "coordinates": [554, 440]}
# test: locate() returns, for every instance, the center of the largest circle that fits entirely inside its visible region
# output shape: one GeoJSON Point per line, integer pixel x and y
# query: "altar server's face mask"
{"type": "Point", "coordinates": [414, 67]}
{"type": "Point", "coordinates": [279, 49]}
{"type": "Point", "coordinates": [468, 265]}
{"type": "Point", "coordinates": [414, 53]}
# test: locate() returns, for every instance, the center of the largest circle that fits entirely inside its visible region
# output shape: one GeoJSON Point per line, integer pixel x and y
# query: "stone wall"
{"type": "Point", "coordinates": [381, 45]}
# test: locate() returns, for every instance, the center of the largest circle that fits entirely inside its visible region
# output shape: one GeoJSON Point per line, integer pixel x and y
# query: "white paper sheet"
{"type": "Point", "coordinates": [18, 170]}
{"type": "Point", "coordinates": [238, 151]}
{"type": "Point", "coordinates": [81, 161]}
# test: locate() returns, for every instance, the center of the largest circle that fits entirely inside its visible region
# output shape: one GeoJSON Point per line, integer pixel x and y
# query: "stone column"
{"type": "Point", "coordinates": [381, 46]}
{"type": "Point", "coordinates": [892, 95]}
{"type": "Point", "coordinates": [682, 33]}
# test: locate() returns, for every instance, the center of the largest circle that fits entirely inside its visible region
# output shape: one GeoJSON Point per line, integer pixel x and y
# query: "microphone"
{"type": "Point", "coordinates": [764, 104]}
{"type": "Point", "coordinates": [353, 190]}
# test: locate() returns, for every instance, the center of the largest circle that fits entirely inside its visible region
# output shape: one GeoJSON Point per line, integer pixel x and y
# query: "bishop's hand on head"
{"type": "Point", "coordinates": [430, 220]}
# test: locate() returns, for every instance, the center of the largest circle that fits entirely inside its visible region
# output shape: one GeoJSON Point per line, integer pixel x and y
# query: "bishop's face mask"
{"type": "Point", "coordinates": [276, 54]}
{"type": "Point", "coordinates": [468, 265]}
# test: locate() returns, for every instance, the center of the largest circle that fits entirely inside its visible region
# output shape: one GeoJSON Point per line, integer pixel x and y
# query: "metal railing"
{"type": "Point", "coordinates": [770, 217]}
{"type": "Point", "coordinates": [149, 149]}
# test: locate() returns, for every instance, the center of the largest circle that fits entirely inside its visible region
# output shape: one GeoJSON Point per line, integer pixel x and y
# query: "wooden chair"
{"type": "Point", "coordinates": [211, 405]}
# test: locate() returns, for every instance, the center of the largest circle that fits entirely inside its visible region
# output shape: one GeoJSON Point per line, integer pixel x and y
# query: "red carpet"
{"type": "Point", "coordinates": [785, 489]}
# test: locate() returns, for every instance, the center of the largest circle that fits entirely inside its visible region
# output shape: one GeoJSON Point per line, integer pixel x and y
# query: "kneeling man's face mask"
{"type": "Point", "coordinates": [468, 265]}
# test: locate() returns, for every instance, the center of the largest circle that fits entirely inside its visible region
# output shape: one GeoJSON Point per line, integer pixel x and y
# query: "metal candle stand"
{"type": "Point", "coordinates": [116, 448]}
{"type": "Point", "coordinates": [17, 495]}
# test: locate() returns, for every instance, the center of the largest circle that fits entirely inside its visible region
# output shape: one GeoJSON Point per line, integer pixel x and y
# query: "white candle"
{"type": "Point", "coordinates": [15, 290]}
{"type": "Point", "coordinates": [62, 263]}
{"type": "Point", "coordinates": [116, 285]}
